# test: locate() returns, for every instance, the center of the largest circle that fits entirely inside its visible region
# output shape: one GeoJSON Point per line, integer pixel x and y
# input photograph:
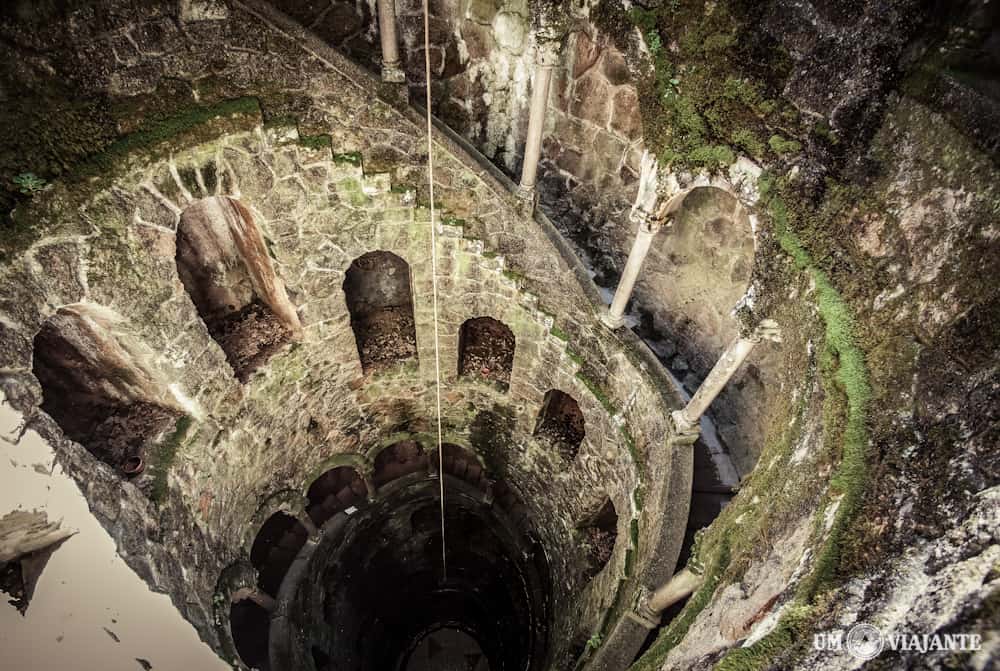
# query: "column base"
{"type": "Point", "coordinates": [392, 73]}
{"type": "Point", "coordinates": [528, 197]}
{"type": "Point", "coordinates": [684, 432]}
{"type": "Point", "coordinates": [611, 321]}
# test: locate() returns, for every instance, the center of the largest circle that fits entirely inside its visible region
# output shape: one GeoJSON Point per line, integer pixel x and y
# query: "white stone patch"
{"type": "Point", "coordinates": [887, 296]}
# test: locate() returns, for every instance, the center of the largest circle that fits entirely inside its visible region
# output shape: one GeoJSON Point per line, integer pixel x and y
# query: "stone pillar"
{"type": "Point", "coordinates": [724, 369]}
{"type": "Point", "coordinates": [308, 524]}
{"type": "Point", "coordinates": [649, 222]}
{"type": "Point", "coordinates": [546, 59]}
{"type": "Point", "coordinates": [391, 71]}
{"type": "Point", "coordinates": [615, 316]}
{"type": "Point", "coordinates": [681, 586]}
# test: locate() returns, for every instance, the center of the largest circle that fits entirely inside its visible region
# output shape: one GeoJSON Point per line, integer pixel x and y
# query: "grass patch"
{"type": "Point", "coordinates": [598, 393]}
{"type": "Point", "coordinates": [349, 158]}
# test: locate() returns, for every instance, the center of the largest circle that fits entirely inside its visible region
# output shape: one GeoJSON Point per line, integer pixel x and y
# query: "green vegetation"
{"type": "Point", "coordinates": [559, 333]}
{"type": "Point", "coordinates": [164, 129]}
{"type": "Point", "coordinates": [29, 183]}
{"type": "Point", "coordinates": [316, 141]}
{"type": "Point", "coordinates": [716, 91]}
{"type": "Point", "coordinates": [673, 633]}
{"type": "Point", "coordinates": [166, 455]}
{"type": "Point", "coordinates": [598, 393]}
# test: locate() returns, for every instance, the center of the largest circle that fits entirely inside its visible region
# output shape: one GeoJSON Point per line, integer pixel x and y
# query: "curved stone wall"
{"type": "Point", "coordinates": [111, 242]}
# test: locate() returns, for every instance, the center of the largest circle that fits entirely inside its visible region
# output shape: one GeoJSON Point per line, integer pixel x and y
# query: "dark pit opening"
{"type": "Point", "coordinates": [375, 597]}
{"type": "Point", "coordinates": [223, 263]}
{"type": "Point", "coordinates": [250, 624]}
{"type": "Point", "coordinates": [338, 489]}
{"type": "Point", "coordinates": [486, 350]}
{"type": "Point", "coordinates": [561, 423]}
{"type": "Point", "coordinates": [95, 392]}
{"type": "Point", "coordinates": [377, 290]}
{"type": "Point", "coordinates": [598, 536]}
{"type": "Point", "coordinates": [280, 538]}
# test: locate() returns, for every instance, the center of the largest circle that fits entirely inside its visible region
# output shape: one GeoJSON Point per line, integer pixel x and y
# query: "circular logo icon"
{"type": "Point", "coordinates": [864, 641]}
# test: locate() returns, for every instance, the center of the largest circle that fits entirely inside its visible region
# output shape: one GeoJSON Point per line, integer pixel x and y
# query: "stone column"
{"type": "Point", "coordinates": [724, 369]}
{"type": "Point", "coordinates": [391, 72]}
{"type": "Point", "coordinates": [681, 586]}
{"type": "Point", "coordinates": [615, 316]}
{"type": "Point", "coordinates": [546, 59]}
{"type": "Point", "coordinates": [649, 222]}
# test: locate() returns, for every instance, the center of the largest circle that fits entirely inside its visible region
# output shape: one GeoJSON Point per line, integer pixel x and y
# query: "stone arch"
{"type": "Point", "coordinates": [599, 533]}
{"type": "Point", "coordinates": [486, 350]}
{"type": "Point", "coordinates": [339, 488]}
{"type": "Point", "coordinates": [274, 549]}
{"type": "Point", "coordinates": [561, 423]}
{"type": "Point", "coordinates": [397, 460]}
{"type": "Point", "coordinates": [250, 624]}
{"type": "Point", "coordinates": [463, 464]}
{"type": "Point", "coordinates": [99, 389]}
{"type": "Point", "coordinates": [700, 266]}
{"type": "Point", "coordinates": [226, 269]}
{"type": "Point", "coordinates": [379, 297]}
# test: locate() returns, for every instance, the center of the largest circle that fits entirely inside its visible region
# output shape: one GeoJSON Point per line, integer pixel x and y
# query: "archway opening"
{"type": "Point", "coordinates": [486, 350]}
{"type": "Point", "coordinates": [338, 489]}
{"type": "Point", "coordinates": [280, 538]}
{"type": "Point", "coordinates": [224, 265]}
{"type": "Point", "coordinates": [250, 624]}
{"type": "Point", "coordinates": [397, 460]}
{"type": "Point", "coordinates": [97, 391]}
{"type": "Point", "coordinates": [599, 535]}
{"type": "Point", "coordinates": [561, 424]}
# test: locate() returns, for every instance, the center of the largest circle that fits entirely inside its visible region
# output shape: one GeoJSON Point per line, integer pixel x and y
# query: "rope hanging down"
{"type": "Point", "coordinates": [434, 288]}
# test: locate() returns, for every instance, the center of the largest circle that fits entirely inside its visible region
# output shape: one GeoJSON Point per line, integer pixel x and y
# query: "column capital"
{"type": "Point", "coordinates": [767, 329]}
{"type": "Point", "coordinates": [547, 52]}
{"type": "Point", "coordinates": [647, 221]}
{"type": "Point", "coordinates": [683, 430]}
{"type": "Point", "coordinates": [611, 321]}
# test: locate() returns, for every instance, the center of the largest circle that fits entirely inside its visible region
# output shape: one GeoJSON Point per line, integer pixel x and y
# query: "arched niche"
{"type": "Point", "coordinates": [463, 464]}
{"type": "Point", "coordinates": [224, 265]}
{"type": "Point", "coordinates": [250, 624]}
{"type": "Point", "coordinates": [561, 423]}
{"type": "Point", "coordinates": [380, 301]}
{"type": "Point", "coordinates": [98, 388]}
{"type": "Point", "coordinates": [397, 460]}
{"type": "Point", "coordinates": [337, 489]}
{"type": "Point", "coordinates": [274, 549]}
{"type": "Point", "coordinates": [486, 350]}
{"type": "Point", "coordinates": [598, 535]}
{"type": "Point", "coordinates": [697, 271]}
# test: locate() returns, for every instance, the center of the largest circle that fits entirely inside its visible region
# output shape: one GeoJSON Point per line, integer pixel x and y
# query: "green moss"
{"type": "Point", "coordinates": [673, 633]}
{"type": "Point", "coordinates": [559, 333]}
{"type": "Point", "coordinates": [792, 629]}
{"type": "Point", "coordinates": [574, 357]}
{"type": "Point", "coordinates": [349, 158]}
{"type": "Point", "coordinates": [316, 141]}
{"type": "Point", "coordinates": [598, 393]}
{"type": "Point", "coordinates": [163, 130]}
{"type": "Point", "coordinates": [781, 146]}
{"type": "Point", "coordinates": [166, 454]}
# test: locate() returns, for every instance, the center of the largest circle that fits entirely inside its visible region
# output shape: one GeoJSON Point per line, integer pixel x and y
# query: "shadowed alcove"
{"type": "Point", "coordinates": [97, 389]}
{"type": "Point", "coordinates": [486, 350]}
{"type": "Point", "coordinates": [598, 536]}
{"type": "Point", "coordinates": [278, 541]}
{"type": "Point", "coordinates": [561, 423]}
{"type": "Point", "coordinates": [337, 489]}
{"type": "Point", "coordinates": [379, 298]}
{"type": "Point", "coordinates": [224, 265]}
